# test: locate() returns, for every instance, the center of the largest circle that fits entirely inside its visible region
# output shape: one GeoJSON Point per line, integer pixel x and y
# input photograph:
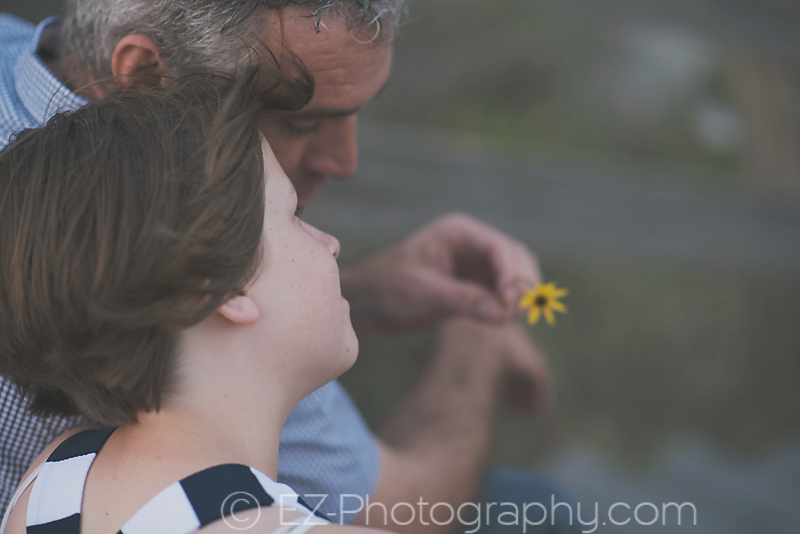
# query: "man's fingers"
{"type": "Point", "coordinates": [522, 392]}
{"type": "Point", "coordinates": [516, 272]}
{"type": "Point", "coordinates": [530, 373]}
{"type": "Point", "coordinates": [515, 267]}
{"type": "Point", "coordinates": [462, 297]}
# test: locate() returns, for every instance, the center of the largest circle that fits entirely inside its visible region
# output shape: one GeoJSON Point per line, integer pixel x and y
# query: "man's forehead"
{"type": "Point", "coordinates": [347, 72]}
{"type": "Point", "coordinates": [294, 28]}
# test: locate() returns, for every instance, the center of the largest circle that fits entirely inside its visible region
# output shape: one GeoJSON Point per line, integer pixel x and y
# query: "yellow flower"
{"type": "Point", "coordinates": [543, 298]}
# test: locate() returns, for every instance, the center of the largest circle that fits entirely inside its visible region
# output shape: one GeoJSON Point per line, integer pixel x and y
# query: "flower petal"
{"type": "Point", "coordinates": [548, 314]}
{"type": "Point", "coordinates": [558, 293]}
{"type": "Point", "coordinates": [533, 315]}
{"type": "Point", "coordinates": [557, 306]}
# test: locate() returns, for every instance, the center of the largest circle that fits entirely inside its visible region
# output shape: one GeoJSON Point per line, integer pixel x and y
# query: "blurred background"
{"type": "Point", "coordinates": [649, 152]}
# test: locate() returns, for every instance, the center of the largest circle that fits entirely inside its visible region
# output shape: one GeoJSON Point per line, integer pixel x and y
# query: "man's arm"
{"type": "Point", "coordinates": [434, 448]}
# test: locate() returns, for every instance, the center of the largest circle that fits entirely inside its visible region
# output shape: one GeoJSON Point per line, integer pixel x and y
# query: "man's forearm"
{"type": "Point", "coordinates": [436, 443]}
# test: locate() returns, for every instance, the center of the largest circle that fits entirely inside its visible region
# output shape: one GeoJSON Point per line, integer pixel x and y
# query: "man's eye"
{"type": "Point", "coordinates": [300, 127]}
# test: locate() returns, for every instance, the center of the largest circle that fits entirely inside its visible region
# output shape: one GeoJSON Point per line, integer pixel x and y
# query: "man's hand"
{"type": "Point", "coordinates": [528, 382]}
{"type": "Point", "coordinates": [506, 352]}
{"type": "Point", "coordinates": [454, 266]}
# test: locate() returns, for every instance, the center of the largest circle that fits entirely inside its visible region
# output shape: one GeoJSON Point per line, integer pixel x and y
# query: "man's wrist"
{"type": "Point", "coordinates": [474, 350]}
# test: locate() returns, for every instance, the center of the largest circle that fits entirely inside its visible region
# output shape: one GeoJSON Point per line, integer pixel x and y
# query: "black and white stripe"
{"type": "Point", "coordinates": [181, 508]}
{"type": "Point", "coordinates": [54, 505]}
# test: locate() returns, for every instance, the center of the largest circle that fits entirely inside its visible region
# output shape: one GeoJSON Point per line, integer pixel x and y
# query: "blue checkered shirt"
{"type": "Point", "coordinates": [326, 448]}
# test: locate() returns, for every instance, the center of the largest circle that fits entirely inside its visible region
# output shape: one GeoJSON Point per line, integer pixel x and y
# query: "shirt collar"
{"type": "Point", "coordinates": [40, 91]}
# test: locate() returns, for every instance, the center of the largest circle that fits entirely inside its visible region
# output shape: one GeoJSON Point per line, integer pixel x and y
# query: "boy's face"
{"type": "Point", "coordinates": [303, 317]}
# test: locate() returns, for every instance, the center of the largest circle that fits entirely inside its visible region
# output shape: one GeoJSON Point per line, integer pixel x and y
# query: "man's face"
{"type": "Point", "coordinates": [319, 141]}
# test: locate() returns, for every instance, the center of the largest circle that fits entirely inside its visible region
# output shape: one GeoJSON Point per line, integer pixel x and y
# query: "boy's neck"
{"type": "Point", "coordinates": [210, 435]}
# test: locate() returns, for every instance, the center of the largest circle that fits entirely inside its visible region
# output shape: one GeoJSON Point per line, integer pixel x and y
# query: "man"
{"type": "Point", "coordinates": [455, 274]}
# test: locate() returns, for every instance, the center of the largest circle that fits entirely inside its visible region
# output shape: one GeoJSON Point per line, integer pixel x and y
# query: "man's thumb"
{"type": "Point", "coordinates": [487, 308]}
{"type": "Point", "coordinates": [472, 300]}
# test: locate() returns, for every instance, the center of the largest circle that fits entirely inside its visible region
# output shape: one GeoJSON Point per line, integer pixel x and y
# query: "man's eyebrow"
{"type": "Point", "coordinates": [332, 113]}
{"type": "Point", "coordinates": [322, 113]}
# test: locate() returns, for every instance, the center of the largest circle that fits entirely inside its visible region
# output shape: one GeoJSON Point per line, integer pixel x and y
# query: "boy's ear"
{"type": "Point", "coordinates": [240, 309]}
{"type": "Point", "coordinates": [136, 62]}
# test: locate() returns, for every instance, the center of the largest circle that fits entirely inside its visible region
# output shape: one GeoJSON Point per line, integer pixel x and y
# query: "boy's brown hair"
{"type": "Point", "coordinates": [122, 223]}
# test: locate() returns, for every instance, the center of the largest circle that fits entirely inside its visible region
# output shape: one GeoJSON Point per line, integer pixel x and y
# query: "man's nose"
{"type": "Point", "coordinates": [333, 151]}
{"type": "Point", "coordinates": [326, 239]}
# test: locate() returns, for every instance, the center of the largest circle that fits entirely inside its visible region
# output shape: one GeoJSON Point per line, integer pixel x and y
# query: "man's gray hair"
{"type": "Point", "coordinates": [199, 35]}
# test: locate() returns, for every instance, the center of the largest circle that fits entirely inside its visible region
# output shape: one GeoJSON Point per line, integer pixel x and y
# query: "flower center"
{"type": "Point", "coordinates": [541, 301]}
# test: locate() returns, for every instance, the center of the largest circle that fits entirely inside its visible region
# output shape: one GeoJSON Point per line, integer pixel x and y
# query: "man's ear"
{"type": "Point", "coordinates": [240, 309]}
{"type": "Point", "coordinates": [137, 62]}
